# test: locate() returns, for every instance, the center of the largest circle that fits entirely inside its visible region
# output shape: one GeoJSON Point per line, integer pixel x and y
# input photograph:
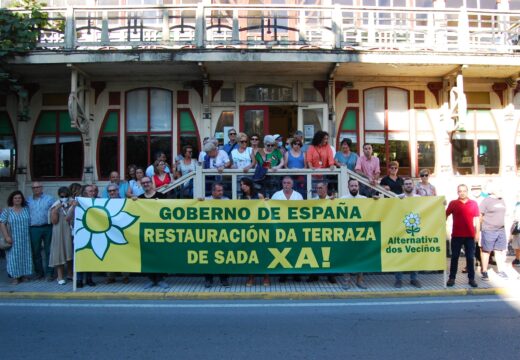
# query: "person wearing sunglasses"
{"type": "Point", "coordinates": [424, 188]}
{"type": "Point", "coordinates": [295, 157]}
{"type": "Point", "coordinates": [270, 157]}
{"type": "Point", "coordinates": [242, 157]}
{"type": "Point", "coordinates": [393, 181]}
{"type": "Point", "coordinates": [232, 144]}
{"type": "Point", "coordinates": [255, 143]}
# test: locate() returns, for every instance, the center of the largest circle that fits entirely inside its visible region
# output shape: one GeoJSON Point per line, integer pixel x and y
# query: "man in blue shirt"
{"type": "Point", "coordinates": [121, 184]}
{"type": "Point", "coordinates": [232, 144]}
{"type": "Point", "coordinates": [40, 230]}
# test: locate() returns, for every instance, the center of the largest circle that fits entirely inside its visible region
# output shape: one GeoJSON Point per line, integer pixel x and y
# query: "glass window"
{"type": "Point", "coordinates": [226, 119]}
{"type": "Point", "coordinates": [148, 125]}
{"type": "Point", "coordinates": [476, 151]}
{"type": "Point", "coordinates": [57, 147]}
{"type": "Point", "coordinates": [425, 142]}
{"type": "Point", "coordinates": [387, 126]}
{"type": "Point", "coordinates": [348, 128]}
{"type": "Point", "coordinates": [260, 93]}
{"type": "Point", "coordinates": [188, 133]}
{"type": "Point", "coordinates": [7, 148]}
{"type": "Point", "coordinates": [108, 145]}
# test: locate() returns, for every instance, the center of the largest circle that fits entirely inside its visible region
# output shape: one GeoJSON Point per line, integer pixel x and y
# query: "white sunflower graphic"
{"type": "Point", "coordinates": [412, 222]}
{"type": "Point", "coordinates": [100, 222]}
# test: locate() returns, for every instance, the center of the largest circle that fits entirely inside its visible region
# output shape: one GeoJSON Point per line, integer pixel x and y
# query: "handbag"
{"type": "Point", "coordinates": [4, 245]}
{"type": "Point", "coordinates": [515, 228]}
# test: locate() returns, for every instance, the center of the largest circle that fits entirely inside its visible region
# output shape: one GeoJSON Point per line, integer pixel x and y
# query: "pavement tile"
{"type": "Point", "coordinates": [190, 284]}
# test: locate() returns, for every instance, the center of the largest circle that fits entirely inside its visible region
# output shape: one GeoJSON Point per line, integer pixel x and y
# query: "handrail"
{"type": "Point", "coordinates": [176, 183]}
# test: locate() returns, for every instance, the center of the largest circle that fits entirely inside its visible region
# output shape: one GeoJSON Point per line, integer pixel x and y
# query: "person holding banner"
{"type": "Point", "coordinates": [217, 193]}
{"type": "Point", "coordinates": [465, 232]}
{"type": "Point", "coordinates": [353, 189]}
{"type": "Point", "coordinates": [408, 191]}
{"type": "Point", "coordinates": [287, 193]}
{"type": "Point", "coordinates": [156, 279]}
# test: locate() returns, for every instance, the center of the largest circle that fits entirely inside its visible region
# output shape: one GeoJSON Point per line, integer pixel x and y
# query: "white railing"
{"type": "Point", "coordinates": [282, 26]}
{"type": "Point", "coordinates": [305, 181]}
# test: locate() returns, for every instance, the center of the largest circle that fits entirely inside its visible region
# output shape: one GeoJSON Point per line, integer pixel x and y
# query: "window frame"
{"type": "Point", "coordinates": [357, 131]}
{"type": "Point", "coordinates": [100, 137]}
{"type": "Point", "coordinates": [197, 133]}
{"type": "Point", "coordinates": [56, 149]}
{"type": "Point", "coordinates": [15, 163]}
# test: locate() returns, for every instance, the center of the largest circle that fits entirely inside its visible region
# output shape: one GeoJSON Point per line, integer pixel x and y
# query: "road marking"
{"type": "Point", "coordinates": [267, 304]}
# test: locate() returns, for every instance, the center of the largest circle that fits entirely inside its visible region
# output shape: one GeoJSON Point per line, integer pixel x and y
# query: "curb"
{"type": "Point", "coordinates": [248, 296]}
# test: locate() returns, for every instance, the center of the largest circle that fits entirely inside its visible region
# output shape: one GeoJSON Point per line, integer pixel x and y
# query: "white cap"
{"type": "Point", "coordinates": [276, 136]}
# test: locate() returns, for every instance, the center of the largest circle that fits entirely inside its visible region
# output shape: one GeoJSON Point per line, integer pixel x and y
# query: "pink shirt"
{"type": "Point", "coordinates": [368, 167]}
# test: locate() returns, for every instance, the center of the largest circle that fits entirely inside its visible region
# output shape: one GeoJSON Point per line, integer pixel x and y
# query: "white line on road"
{"type": "Point", "coordinates": [266, 304]}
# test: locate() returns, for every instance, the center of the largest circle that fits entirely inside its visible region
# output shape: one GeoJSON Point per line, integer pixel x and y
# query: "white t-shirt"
{"type": "Point", "coordinates": [349, 196]}
{"type": "Point", "coordinates": [279, 195]}
{"type": "Point", "coordinates": [241, 159]}
{"type": "Point", "coordinates": [220, 160]}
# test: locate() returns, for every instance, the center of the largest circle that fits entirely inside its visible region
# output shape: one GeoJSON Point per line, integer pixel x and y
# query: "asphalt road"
{"type": "Point", "coordinates": [419, 328]}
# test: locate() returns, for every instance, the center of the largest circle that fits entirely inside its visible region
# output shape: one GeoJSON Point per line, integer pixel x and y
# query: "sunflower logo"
{"type": "Point", "coordinates": [99, 223]}
{"type": "Point", "coordinates": [412, 222]}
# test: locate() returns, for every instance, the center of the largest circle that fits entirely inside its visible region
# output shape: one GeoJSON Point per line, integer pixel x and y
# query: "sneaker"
{"type": "Point", "coordinates": [416, 283]}
{"type": "Point", "coordinates": [398, 284]}
{"type": "Point", "coordinates": [503, 275]}
{"type": "Point", "coordinates": [450, 282]}
{"type": "Point", "coordinates": [79, 284]}
{"type": "Point", "coordinates": [163, 284]}
{"type": "Point", "coordinates": [126, 280]}
{"type": "Point", "coordinates": [473, 283]}
{"type": "Point", "coordinates": [90, 282]}
{"type": "Point", "coordinates": [484, 276]}
{"type": "Point", "coordinates": [516, 262]}
{"type": "Point", "coordinates": [110, 280]}
{"type": "Point", "coordinates": [62, 282]}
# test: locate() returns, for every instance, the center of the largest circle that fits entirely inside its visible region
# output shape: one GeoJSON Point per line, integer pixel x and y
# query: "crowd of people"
{"type": "Point", "coordinates": [39, 228]}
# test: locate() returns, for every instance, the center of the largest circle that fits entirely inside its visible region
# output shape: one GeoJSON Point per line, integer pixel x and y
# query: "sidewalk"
{"type": "Point", "coordinates": [192, 287]}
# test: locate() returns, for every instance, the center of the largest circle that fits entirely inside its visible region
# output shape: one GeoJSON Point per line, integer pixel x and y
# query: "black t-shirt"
{"type": "Point", "coordinates": [157, 195]}
{"type": "Point", "coordinates": [395, 186]}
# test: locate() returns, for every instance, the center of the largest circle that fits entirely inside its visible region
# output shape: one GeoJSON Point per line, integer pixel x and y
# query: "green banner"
{"type": "Point", "coordinates": [260, 237]}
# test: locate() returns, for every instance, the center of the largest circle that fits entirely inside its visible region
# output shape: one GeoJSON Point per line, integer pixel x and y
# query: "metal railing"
{"type": "Point", "coordinates": [305, 181]}
{"type": "Point", "coordinates": [300, 27]}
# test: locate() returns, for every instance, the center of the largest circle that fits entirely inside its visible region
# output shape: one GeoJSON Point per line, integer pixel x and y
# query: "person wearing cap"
{"type": "Point", "coordinates": [278, 140]}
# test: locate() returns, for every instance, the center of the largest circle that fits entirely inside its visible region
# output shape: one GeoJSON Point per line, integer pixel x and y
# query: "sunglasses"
{"type": "Point", "coordinates": [243, 141]}
{"type": "Point", "coordinates": [254, 139]}
{"type": "Point", "coordinates": [232, 134]}
{"type": "Point", "coordinates": [424, 175]}
{"type": "Point", "coordinates": [269, 145]}
{"type": "Point", "coordinates": [299, 144]}
{"type": "Point", "coordinates": [112, 190]}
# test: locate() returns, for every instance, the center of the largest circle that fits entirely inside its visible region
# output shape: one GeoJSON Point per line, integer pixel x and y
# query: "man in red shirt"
{"type": "Point", "coordinates": [465, 231]}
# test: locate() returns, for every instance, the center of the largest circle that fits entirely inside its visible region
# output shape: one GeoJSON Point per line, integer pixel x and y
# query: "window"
{"type": "Point", "coordinates": [188, 133]}
{"type": "Point", "coordinates": [108, 145]}
{"type": "Point", "coordinates": [348, 128]}
{"type": "Point", "coordinates": [425, 142]}
{"type": "Point", "coordinates": [226, 119]}
{"type": "Point", "coordinates": [261, 93]}
{"type": "Point", "coordinates": [387, 125]}
{"type": "Point", "coordinates": [57, 147]}
{"type": "Point", "coordinates": [476, 150]}
{"type": "Point", "coordinates": [7, 148]}
{"type": "Point", "coordinates": [148, 125]}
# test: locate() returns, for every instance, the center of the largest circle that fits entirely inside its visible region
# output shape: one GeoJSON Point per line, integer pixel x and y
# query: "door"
{"type": "Point", "coordinates": [255, 120]}
{"type": "Point", "coordinates": [312, 118]}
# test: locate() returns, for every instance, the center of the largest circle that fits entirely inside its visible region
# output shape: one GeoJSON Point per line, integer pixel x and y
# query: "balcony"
{"type": "Point", "coordinates": [283, 27]}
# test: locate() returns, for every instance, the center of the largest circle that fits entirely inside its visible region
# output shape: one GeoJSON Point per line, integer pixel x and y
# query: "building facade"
{"type": "Point", "coordinates": [432, 84]}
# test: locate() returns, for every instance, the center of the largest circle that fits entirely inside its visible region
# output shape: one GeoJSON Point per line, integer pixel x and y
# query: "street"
{"type": "Point", "coordinates": [404, 328]}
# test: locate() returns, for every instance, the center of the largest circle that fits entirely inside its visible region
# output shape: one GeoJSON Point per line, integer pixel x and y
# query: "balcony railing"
{"type": "Point", "coordinates": [281, 27]}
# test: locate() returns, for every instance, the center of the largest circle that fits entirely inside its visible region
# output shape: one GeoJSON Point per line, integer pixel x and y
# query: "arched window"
{"type": "Point", "coordinates": [188, 132]}
{"type": "Point", "coordinates": [7, 148]}
{"type": "Point", "coordinates": [57, 148]}
{"type": "Point", "coordinates": [108, 145]}
{"type": "Point", "coordinates": [387, 126]}
{"type": "Point", "coordinates": [349, 129]}
{"type": "Point", "coordinates": [476, 150]}
{"type": "Point", "coordinates": [148, 125]}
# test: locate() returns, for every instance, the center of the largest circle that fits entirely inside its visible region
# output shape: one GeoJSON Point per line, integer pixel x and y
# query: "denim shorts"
{"type": "Point", "coordinates": [493, 240]}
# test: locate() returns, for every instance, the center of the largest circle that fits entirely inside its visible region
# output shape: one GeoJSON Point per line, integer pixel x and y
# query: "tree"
{"type": "Point", "coordinates": [20, 34]}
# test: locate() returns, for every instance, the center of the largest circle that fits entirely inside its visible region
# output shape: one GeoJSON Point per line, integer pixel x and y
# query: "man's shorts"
{"type": "Point", "coordinates": [493, 240]}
